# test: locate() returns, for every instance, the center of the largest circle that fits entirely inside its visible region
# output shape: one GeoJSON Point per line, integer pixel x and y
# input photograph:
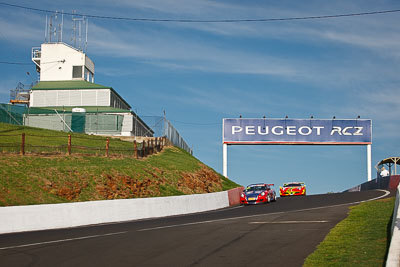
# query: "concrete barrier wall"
{"type": "Point", "coordinates": [387, 182]}
{"type": "Point", "coordinates": [394, 181]}
{"type": "Point", "coordinates": [234, 196]}
{"type": "Point", "coordinates": [393, 259]}
{"type": "Point", "coordinates": [53, 216]}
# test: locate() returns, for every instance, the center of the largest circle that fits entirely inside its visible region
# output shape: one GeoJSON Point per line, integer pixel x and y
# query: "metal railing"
{"type": "Point", "coordinates": [62, 144]}
{"type": "Point", "coordinates": [102, 124]}
{"type": "Point", "coordinates": [36, 52]}
{"type": "Point", "coordinates": [163, 127]}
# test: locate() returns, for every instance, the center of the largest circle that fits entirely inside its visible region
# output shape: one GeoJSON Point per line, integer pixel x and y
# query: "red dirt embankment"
{"type": "Point", "coordinates": [117, 186]}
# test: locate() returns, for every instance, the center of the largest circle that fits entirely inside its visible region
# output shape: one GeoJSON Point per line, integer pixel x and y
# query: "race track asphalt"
{"type": "Point", "coordinates": [282, 233]}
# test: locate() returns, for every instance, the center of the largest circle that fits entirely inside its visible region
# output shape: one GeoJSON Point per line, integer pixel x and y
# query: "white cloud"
{"type": "Point", "coordinates": [382, 105]}
{"type": "Point", "coordinates": [172, 51]}
{"type": "Point", "coordinates": [176, 7]}
{"type": "Point", "coordinates": [167, 47]}
{"type": "Point", "coordinates": [21, 28]}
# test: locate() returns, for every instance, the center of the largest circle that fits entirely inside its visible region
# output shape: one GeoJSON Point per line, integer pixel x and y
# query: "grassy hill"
{"type": "Point", "coordinates": [38, 178]}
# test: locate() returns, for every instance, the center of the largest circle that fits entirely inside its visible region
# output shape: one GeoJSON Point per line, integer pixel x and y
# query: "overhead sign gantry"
{"type": "Point", "coordinates": [244, 131]}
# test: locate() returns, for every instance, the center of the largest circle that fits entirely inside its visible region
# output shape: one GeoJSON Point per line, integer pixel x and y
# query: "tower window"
{"type": "Point", "coordinates": [77, 72]}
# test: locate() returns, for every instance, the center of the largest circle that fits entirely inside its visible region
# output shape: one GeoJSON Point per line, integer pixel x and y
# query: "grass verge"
{"type": "Point", "coordinates": [45, 141]}
{"type": "Point", "coordinates": [57, 178]}
{"type": "Point", "coordinates": [359, 240]}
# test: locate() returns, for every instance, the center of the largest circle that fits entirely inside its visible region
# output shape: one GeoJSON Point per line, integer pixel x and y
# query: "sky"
{"type": "Point", "coordinates": [202, 72]}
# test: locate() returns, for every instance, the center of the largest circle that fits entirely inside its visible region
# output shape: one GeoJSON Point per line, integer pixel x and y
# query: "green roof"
{"type": "Point", "coordinates": [89, 109]}
{"type": "Point", "coordinates": [68, 85]}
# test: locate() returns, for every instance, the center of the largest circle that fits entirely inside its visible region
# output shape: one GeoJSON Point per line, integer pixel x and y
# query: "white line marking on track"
{"type": "Point", "coordinates": [284, 222]}
{"type": "Point", "coordinates": [62, 240]}
{"type": "Point", "coordinates": [386, 193]}
{"type": "Point", "coordinates": [259, 215]}
{"type": "Point", "coordinates": [186, 224]}
{"type": "Point", "coordinates": [232, 208]}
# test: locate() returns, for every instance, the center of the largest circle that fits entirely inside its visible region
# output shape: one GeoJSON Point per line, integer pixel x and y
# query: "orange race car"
{"type": "Point", "coordinates": [292, 189]}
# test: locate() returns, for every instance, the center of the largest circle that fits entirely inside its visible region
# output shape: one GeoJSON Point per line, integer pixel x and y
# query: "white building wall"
{"type": "Point", "coordinates": [37, 99]}
{"type": "Point", "coordinates": [75, 97]}
{"type": "Point", "coordinates": [71, 98]}
{"type": "Point", "coordinates": [89, 97]}
{"type": "Point", "coordinates": [127, 125]}
{"type": "Point", "coordinates": [63, 98]}
{"type": "Point", "coordinates": [103, 98]}
{"type": "Point", "coordinates": [57, 61]}
{"type": "Point", "coordinates": [51, 97]}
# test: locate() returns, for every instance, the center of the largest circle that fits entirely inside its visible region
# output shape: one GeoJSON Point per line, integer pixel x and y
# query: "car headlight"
{"type": "Point", "coordinates": [263, 193]}
{"type": "Point", "coordinates": [242, 195]}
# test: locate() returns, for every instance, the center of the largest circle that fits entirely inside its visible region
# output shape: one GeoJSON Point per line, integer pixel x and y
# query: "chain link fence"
{"type": "Point", "coordinates": [92, 123]}
{"type": "Point", "coordinates": [163, 127]}
{"type": "Point", "coordinates": [12, 114]}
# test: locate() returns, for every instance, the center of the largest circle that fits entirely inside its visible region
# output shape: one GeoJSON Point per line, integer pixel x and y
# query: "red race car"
{"type": "Point", "coordinates": [293, 189]}
{"type": "Point", "coordinates": [258, 193]}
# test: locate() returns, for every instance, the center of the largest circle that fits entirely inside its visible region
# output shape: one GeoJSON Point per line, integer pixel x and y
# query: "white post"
{"type": "Point", "coordinates": [369, 162]}
{"type": "Point", "coordinates": [225, 160]}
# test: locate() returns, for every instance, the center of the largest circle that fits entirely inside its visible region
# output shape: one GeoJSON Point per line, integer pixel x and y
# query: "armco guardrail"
{"type": "Point", "coordinates": [54, 216]}
{"type": "Point", "coordinates": [393, 259]}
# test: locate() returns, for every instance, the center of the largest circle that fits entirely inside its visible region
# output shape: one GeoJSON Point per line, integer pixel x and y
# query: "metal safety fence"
{"type": "Point", "coordinates": [12, 114]}
{"type": "Point", "coordinates": [90, 120]}
{"type": "Point", "coordinates": [163, 127]}
{"type": "Point", "coordinates": [93, 122]}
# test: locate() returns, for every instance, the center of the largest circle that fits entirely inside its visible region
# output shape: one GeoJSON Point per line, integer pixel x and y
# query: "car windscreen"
{"type": "Point", "coordinates": [256, 188]}
{"type": "Point", "coordinates": [292, 185]}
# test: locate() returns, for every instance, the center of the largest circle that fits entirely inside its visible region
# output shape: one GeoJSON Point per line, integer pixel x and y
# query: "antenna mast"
{"type": "Point", "coordinates": [77, 23]}
{"type": "Point", "coordinates": [52, 31]}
